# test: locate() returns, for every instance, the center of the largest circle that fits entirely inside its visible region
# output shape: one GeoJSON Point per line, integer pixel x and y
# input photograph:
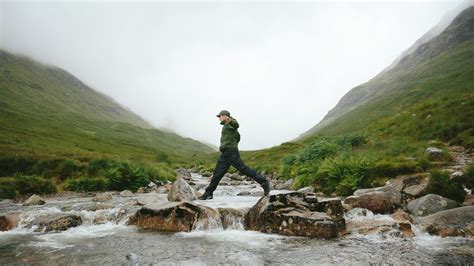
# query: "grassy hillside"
{"type": "Point", "coordinates": [426, 100]}
{"type": "Point", "coordinates": [49, 117]}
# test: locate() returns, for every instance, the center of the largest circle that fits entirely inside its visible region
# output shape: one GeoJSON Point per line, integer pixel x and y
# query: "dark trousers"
{"type": "Point", "coordinates": [232, 157]}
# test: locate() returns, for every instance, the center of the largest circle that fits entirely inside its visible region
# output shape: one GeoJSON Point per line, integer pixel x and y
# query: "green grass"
{"type": "Point", "coordinates": [432, 100]}
{"type": "Point", "coordinates": [53, 126]}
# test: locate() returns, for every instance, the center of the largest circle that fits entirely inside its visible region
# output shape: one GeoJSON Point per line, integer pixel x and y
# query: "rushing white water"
{"type": "Point", "coordinates": [103, 238]}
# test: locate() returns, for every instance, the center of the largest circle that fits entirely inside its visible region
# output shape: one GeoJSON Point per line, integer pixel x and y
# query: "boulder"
{"type": "Point", "coordinates": [102, 197]}
{"type": "Point", "coordinates": [9, 221]}
{"type": "Point", "coordinates": [391, 190]}
{"type": "Point", "coordinates": [183, 173]}
{"type": "Point", "coordinates": [376, 201]}
{"type": "Point", "coordinates": [126, 193]}
{"type": "Point", "coordinates": [453, 222]}
{"type": "Point", "coordinates": [286, 185]}
{"type": "Point", "coordinates": [430, 204]}
{"type": "Point", "coordinates": [468, 200]}
{"type": "Point", "coordinates": [34, 200]}
{"type": "Point", "coordinates": [181, 191]}
{"type": "Point", "coordinates": [296, 214]}
{"type": "Point", "coordinates": [57, 222]}
{"type": "Point", "coordinates": [411, 186]}
{"type": "Point", "coordinates": [434, 153]}
{"type": "Point", "coordinates": [176, 217]}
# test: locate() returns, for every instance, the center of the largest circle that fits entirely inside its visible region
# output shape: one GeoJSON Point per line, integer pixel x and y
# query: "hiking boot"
{"type": "Point", "coordinates": [266, 188]}
{"type": "Point", "coordinates": [205, 196]}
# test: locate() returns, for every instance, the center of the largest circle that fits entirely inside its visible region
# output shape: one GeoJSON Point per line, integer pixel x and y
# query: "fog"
{"type": "Point", "coordinates": [277, 67]}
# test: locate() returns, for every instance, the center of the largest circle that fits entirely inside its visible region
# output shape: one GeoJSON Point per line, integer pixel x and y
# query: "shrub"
{"type": "Point", "coordinates": [317, 150]}
{"type": "Point", "coordinates": [86, 183]}
{"type": "Point", "coordinates": [440, 184]}
{"type": "Point", "coordinates": [11, 187]}
{"type": "Point", "coordinates": [123, 176]}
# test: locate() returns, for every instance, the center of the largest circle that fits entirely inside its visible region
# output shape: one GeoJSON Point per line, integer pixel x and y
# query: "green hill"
{"type": "Point", "coordinates": [49, 117]}
{"type": "Point", "coordinates": [381, 128]}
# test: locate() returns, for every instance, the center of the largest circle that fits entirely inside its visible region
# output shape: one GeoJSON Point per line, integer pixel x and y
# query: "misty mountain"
{"type": "Point", "coordinates": [435, 42]}
{"type": "Point", "coordinates": [46, 111]}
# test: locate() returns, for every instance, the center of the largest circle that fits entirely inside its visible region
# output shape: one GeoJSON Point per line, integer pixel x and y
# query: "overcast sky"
{"type": "Point", "coordinates": [277, 67]}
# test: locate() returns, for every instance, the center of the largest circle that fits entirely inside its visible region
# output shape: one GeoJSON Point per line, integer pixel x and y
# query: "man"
{"type": "Point", "coordinates": [230, 155]}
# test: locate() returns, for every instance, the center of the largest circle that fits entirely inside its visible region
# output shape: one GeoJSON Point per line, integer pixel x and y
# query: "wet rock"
{"type": "Point", "coordinates": [175, 217]}
{"type": "Point", "coordinates": [126, 193]}
{"type": "Point", "coordinates": [363, 221]}
{"type": "Point", "coordinates": [232, 218]}
{"type": "Point", "coordinates": [306, 189]}
{"type": "Point", "coordinates": [9, 221]}
{"type": "Point", "coordinates": [295, 214]}
{"type": "Point", "coordinates": [401, 216]}
{"type": "Point", "coordinates": [183, 173]}
{"type": "Point", "coordinates": [468, 200]}
{"type": "Point", "coordinates": [57, 222]}
{"type": "Point", "coordinates": [162, 190]}
{"type": "Point", "coordinates": [206, 174]}
{"type": "Point", "coordinates": [236, 177]}
{"type": "Point", "coordinates": [181, 191]}
{"type": "Point", "coordinates": [243, 193]}
{"type": "Point", "coordinates": [88, 206]}
{"type": "Point", "coordinates": [102, 197]}
{"type": "Point", "coordinates": [257, 194]}
{"type": "Point", "coordinates": [34, 200]}
{"type": "Point", "coordinates": [376, 201]}
{"type": "Point", "coordinates": [430, 204]}
{"type": "Point", "coordinates": [391, 190]}
{"type": "Point", "coordinates": [286, 185]}
{"type": "Point", "coordinates": [141, 190]}
{"type": "Point", "coordinates": [151, 186]}
{"type": "Point", "coordinates": [434, 153]}
{"type": "Point", "coordinates": [357, 212]}
{"type": "Point", "coordinates": [453, 222]}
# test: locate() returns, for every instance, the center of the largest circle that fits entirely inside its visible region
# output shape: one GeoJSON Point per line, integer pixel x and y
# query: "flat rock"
{"type": "Point", "coordinates": [453, 222]}
{"type": "Point", "coordinates": [176, 217]}
{"type": "Point", "coordinates": [376, 201]}
{"type": "Point", "coordinates": [391, 190]}
{"type": "Point", "coordinates": [296, 214]}
{"type": "Point", "coordinates": [57, 222]}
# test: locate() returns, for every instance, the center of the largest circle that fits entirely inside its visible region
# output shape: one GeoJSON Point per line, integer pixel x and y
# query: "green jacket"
{"type": "Point", "coordinates": [230, 136]}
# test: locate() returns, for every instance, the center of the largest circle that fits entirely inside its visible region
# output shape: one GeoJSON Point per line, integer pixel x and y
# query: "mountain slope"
{"type": "Point", "coordinates": [391, 79]}
{"type": "Point", "coordinates": [45, 111]}
{"type": "Point", "coordinates": [385, 125]}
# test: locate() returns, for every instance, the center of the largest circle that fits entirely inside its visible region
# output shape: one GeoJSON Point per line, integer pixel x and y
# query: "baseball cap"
{"type": "Point", "coordinates": [223, 112]}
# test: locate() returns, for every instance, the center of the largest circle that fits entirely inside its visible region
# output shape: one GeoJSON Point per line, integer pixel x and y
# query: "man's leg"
{"type": "Point", "coordinates": [219, 171]}
{"type": "Point", "coordinates": [234, 160]}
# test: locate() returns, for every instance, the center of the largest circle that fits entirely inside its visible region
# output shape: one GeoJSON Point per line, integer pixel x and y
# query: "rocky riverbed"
{"type": "Point", "coordinates": [237, 226]}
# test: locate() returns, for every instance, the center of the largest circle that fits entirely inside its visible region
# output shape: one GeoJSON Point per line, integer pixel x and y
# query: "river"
{"type": "Point", "coordinates": [104, 238]}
